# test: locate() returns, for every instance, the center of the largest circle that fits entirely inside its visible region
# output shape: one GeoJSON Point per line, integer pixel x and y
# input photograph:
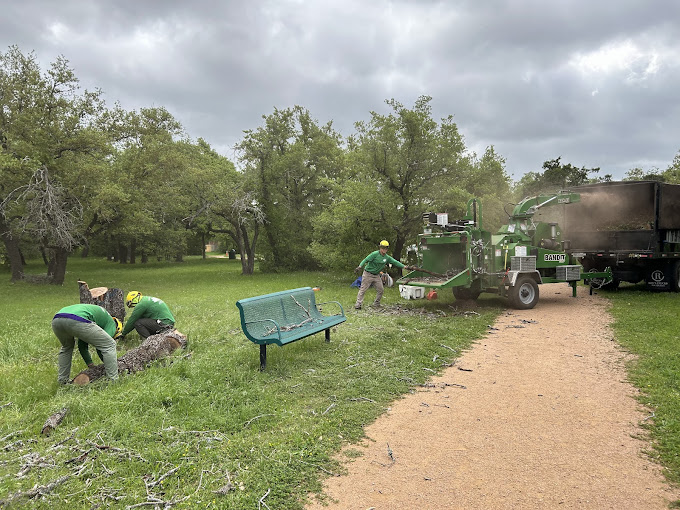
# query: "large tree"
{"type": "Point", "coordinates": [399, 165]}
{"type": "Point", "coordinates": [48, 129]}
{"type": "Point", "coordinates": [219, 201]}
{"type": "Point", "coordinates": [149, 167]}
{"type": "Point", "coordinates": [556, 175]}
{"type": "Point", "coordinates": [290, 163]}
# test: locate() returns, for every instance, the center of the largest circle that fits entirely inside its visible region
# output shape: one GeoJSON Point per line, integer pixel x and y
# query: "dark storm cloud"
{"type": "Point", "coordinates": [593, 82]}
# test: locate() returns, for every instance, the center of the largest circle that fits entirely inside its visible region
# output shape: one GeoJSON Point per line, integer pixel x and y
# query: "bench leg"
{"type": "Point", "coordinates": [263, 356]}
{"type": "Point", "coordinates": [328, 334]}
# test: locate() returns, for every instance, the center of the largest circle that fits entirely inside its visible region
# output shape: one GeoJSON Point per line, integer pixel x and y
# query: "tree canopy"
{"type": "Point", "coordinates": [76, 173]}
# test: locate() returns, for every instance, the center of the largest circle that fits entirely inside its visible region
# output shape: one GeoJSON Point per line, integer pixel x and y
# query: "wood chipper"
{"type": "Point", "coordinates": [523, 254]}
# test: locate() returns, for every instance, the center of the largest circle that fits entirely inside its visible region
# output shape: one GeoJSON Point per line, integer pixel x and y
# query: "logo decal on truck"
{"type": "Point", "coordinates": [555, 257]}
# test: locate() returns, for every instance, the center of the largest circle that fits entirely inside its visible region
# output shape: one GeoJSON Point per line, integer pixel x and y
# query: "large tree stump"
{"type": "Point", "coordinates": [152, 348]}
{"type": "Point", "coordinates": [110, 300]}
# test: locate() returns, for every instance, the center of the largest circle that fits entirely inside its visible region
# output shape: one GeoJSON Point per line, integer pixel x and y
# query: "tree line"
{"type": "Point", "coordinates": [76, 173]}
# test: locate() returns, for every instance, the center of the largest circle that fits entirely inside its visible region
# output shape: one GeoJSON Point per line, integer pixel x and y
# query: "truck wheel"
{"type": "Point", "coordinates": [524, 294]}
{"type": "Point", "coordinates": [463, 294]}
{"type": "Point", "coordinates": [675, 276]}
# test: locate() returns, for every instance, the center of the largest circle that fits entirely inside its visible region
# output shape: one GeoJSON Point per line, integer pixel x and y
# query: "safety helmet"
{"type": "Point", "coordinates": [119, 327]}
{"type": "Point", "coordinates": [384, 244]}
{"type": "Point", "coordinates": [133, 298]}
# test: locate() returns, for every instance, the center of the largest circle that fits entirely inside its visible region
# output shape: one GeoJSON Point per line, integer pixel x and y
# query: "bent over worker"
{"type": "Point", "coordinates": [374, 263]}
{"type": "Point", "coordinates": [92, 325]}
{"type": "Point", "coordinates": [149, 317]}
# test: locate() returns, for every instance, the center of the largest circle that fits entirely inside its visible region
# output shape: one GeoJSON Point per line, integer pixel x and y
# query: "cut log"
{"type": "Point", "coordinates": [53, 421]}
{"type": "Point", "coordinates": [153, 348]}
{"type": "Point", "coordinates": [110, 300]}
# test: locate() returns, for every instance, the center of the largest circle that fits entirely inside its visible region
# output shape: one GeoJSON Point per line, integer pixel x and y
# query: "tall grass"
{"type": "Point", "coordinates": [648, 325]}
{"type": "Point", "coordinates": [207, 428]}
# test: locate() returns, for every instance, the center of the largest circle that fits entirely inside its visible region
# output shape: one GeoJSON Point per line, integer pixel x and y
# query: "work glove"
{"type": "Point", "coordinates": [358, 269]}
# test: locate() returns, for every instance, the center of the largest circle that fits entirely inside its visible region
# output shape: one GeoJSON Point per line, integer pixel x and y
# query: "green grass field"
{"type": "Point", "coordinates": [207, 429]}
{"type": "Point", "coordinates": [647, 324]}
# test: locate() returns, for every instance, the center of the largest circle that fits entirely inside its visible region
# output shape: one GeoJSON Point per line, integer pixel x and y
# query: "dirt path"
{"type": "Point", "coordinates": [546, 420]}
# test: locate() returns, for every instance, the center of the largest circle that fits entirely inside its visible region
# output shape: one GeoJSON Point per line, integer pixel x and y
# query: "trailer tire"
{"type": "Point", "coordinates": [524, 294]}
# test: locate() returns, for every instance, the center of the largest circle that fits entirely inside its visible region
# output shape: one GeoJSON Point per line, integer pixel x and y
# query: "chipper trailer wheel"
{"type": "Point", "coordinates": [524, 294]}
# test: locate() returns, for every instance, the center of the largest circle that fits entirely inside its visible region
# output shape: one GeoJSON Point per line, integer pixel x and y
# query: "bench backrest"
{"type": "Point", "coordinates": [284, 307]}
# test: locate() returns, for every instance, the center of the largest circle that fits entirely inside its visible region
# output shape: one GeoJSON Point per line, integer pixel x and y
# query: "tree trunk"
{"type": "Point", "coordinates": [203, 245]}
{"type": "Point", "coordinates": [153, 348]}
{"type": "Point", "coordinates": [122, 253]}
{"type": "Point", "coordinates": [145, 257]}
{"type": "Point", "coordinates": [110, 300]}
{"type": "Point", "coordinates": [86, 250]}
{"type": "Point", "coordinates": [133, 251]}
{"type": "Point", "coordinates": [51, 265]}
{"type": "Point", "coordinates": [58, 268]}
{"type": "Point", "coordinates": [44, 256]}
{"type": "Point", "coordinates": [12, 248]}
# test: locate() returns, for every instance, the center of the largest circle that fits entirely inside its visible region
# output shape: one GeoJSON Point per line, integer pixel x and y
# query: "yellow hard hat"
{"type": "Point", "coordinates": [133, 298]}
{"type": "Point", "coordinates": [384, 243]}
{"type": "Point", "coordinates": [119, 327]}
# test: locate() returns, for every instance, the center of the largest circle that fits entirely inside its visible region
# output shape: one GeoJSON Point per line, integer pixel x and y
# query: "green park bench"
{"type": "Point", "coordinates": [284, 317]}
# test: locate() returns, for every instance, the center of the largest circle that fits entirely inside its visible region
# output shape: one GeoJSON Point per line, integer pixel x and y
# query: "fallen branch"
{"type": "Point", "coordinates": [365, 399]}
{"type": "Point", "coordinates": [307, 313]}
{"type": "Point", "coordinates": [135, 360]}
{"type": "Point", "coordinates": [442, 385]}
{"type": "Point", "coordinates": [10, 435]}
{"type": "Point", "coordinates": [261, 502]}
{"type": "Point", "coordinates": [256, 417]}
{"type": "Point", "coordinates": [53, 421]}
{"type": "Point", "coordinates": [162, 477]}
{"type": "Point", "coordinates": [38, 490]}
{"type": "Point", "coordinates": [288, 328]}
{"type": "Point", "coordinates": [438, 275]}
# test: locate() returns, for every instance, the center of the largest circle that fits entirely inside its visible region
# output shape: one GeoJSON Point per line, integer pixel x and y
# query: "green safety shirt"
{"type": "Point", "coordinates": [92, 313]}
{"type": "Point", "coordinates": [149, 308]}
{"type": "Point", "coordinates": [375, 262]}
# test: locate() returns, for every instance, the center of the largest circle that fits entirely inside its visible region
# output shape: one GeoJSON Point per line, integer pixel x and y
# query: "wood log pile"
{"type": "Point", "coordinates": [153, 348]}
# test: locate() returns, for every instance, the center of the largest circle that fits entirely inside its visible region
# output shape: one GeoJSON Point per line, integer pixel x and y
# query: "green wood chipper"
{"type": "Point", "coordinates": [523, 254]}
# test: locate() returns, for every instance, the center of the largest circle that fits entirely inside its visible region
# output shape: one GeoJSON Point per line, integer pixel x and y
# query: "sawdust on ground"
{"type": "Point", "coordinates": [546, 419]}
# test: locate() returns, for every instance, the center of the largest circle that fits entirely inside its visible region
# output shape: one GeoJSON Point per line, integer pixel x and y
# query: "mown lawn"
{"type": "Point", "coordinates": [207, 429]}
{"type": "Point", "coordinates": [648, 325]}
{"type": "Point", "coordinates": [210, 430]}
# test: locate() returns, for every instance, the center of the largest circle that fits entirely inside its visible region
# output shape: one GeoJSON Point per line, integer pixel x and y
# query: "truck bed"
{"type": "Point", "coordinates": [610, 241]}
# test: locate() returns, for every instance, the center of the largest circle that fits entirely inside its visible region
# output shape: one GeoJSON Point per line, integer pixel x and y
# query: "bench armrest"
{"type": "Point", "coordinates": [276, 324]}
{"type": "Point", "coordinates": [342, 311]}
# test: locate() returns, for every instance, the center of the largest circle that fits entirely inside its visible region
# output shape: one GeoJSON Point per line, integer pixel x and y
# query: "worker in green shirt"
{"type": "Point", "coordinates": [372, 266]}
{"type": "Point", "coordinates": [92, 325]}
{"type": "Point", "coordinates": [150, 315]}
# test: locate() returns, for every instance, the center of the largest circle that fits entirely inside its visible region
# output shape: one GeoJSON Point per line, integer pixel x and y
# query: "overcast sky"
{"type": "Point", "coordinates": [593, 81]}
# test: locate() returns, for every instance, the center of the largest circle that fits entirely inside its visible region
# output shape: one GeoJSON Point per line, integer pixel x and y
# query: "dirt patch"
{"type": "Point", "coordinates": [536, 415]}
